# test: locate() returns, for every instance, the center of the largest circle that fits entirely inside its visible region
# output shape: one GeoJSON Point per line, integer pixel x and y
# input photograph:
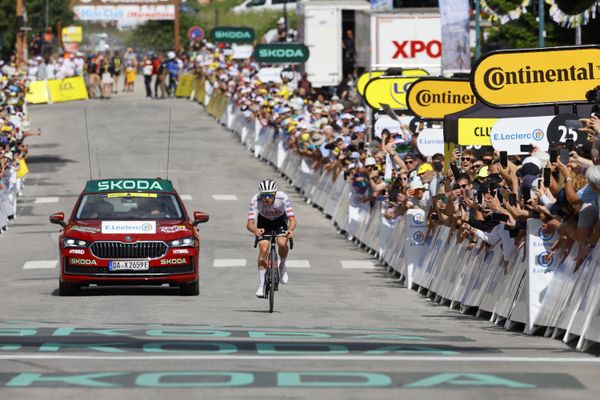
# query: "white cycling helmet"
{"type": "Point", "coordinates": [267, 186]}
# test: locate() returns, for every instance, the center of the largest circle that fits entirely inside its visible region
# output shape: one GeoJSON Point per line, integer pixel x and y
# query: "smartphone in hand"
{"type": "Point", "coordinates": [504, 159]}
{"type": "Point", "coordinates": [546, 175]}
{"type": "Point", "coordinates": [512, 199]}
{"type": "Point", "coordinates": [553, 155]}
{"type": "Point", "coordinates": [563, 155]}
{"type": "Point", "coordinates": [526, 148]}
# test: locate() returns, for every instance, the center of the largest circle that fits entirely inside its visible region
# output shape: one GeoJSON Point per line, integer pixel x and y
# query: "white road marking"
{"type": "Point", "coordinates": [42, 200]}
{"type": "Point", "coordinates": [229, 262]}
{"type": "Point", "coordinates": [436, 359]}
{"type": "Point", "coordinates": [297, 264]}
{"type": "Point", "coordinates": [357, 264]}
{"type": "Point", "coordinates": [185, 197]}
{"type": "Point", "coordinates": [224, 197]}
{"type": "Point", "coordinates": [40, 264]}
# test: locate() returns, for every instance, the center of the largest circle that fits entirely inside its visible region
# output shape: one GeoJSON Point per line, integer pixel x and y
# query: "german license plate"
{"type": "Point", "coordinates": [128, 265]}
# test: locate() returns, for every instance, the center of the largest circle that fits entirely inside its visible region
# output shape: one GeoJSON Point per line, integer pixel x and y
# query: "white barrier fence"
{"type": "Point", "coordinates": [509, 285]}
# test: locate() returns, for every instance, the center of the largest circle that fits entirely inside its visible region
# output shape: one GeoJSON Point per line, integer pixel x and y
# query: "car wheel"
{"type": "Point", "coordinates": [67, 289]}
{"type": "Point", "coordinates": [190, 289]}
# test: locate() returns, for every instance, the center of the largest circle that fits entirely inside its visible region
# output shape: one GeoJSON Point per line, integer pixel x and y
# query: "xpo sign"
{"type": "Point", "coordinates": [407, 40]}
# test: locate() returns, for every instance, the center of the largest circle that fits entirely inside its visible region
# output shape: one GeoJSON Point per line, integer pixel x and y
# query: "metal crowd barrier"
{"type": "Point", "coordinates": [494, 281]}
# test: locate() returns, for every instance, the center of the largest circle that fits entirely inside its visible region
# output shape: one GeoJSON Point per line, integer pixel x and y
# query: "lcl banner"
{"type": "Point", "coordinates": [362, 80]}
{"type": "Point", "coordinates": [390, 91]}
{"type": "Point", "coordinates": [407, 40]}
{"type": "Point", "coordinates": [537, 76]}
{"type": "Point", "coordinates": [434, 98]}
{"type": "Point", "coordinates": [475, 131]}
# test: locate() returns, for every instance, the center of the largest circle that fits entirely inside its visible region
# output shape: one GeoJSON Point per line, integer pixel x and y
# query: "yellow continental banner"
{"type": "Point", "coordinates": [37, 93]}
{"type": "Point", "coordinates": [475, 131]}
{"type": "Point", "coordinates": [68, 89]}
{"type": "Point", "coordinates": [434, 98]}
{"type": "Point", "coordinates": [389, 91]}
{"type": "Point", "coordinates": [184, 86]}
{"type": "Point", "coordinates": [537, 76]}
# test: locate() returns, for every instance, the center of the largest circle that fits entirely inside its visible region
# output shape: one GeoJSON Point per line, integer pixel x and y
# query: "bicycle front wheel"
{"type": "Point", "coordinates": [271, 272]}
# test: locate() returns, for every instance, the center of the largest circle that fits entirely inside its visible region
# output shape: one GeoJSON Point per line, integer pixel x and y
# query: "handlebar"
{"type": "Point", "coordinates": [290, 241]}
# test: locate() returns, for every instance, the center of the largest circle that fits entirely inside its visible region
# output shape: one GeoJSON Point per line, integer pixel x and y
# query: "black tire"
{"type": "Point", "coordinates": [190, 289]}
{"type": "Point", "coordinates": [272, 260]}
{"type": "Point", "coordinates": [67, 289]}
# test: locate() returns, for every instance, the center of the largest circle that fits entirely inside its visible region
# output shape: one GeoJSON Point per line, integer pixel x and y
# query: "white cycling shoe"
{"type": "Point", "coordinates": [260, 292]}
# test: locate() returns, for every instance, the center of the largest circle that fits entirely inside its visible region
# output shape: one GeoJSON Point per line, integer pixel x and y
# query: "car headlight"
{"type": "Point", "coordinates": [184, 242]}
{"type": "Point", "coordinates": [68, 242]}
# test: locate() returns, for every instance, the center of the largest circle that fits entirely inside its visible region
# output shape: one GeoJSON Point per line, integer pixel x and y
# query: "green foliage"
{"type": "Point", "coordinates": [58, 11]}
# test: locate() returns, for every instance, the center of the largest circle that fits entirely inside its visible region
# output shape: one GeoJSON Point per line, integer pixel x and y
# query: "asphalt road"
{"type": "Point", "coordinates": [337, 333]}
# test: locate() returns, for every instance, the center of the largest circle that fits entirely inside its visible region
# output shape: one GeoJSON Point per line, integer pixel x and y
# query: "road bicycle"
{"type": "Point", "coordinates": [272, 275]}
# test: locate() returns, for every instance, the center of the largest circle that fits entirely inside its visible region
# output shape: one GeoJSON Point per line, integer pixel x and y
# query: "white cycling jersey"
{"type": "Point", "coordinates": [281, 206]}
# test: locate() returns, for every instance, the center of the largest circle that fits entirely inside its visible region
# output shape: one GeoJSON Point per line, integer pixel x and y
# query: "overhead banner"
{"type": "Point", "coordinates": [434, 98]}
{"type": "Point", "coordinates": [68, 89]}
{"type": "Point", "coordinates": [390, 91]}
{"type": "Point", "coordinates": [117, 10]}
{"type": "Point", "coordinates": [228, 34]}
{"type": "Point", "coordinates": [508, 134]}
{"type": "Point", "coordinates": [541, 264]}
{"type": "Point", "coordinates": [406, 40]}
{"type": "Point", "coordinates": [537, 76]}
{"type": "Point", "coordinates": [281, 53]}
{"type": "Point", "coordinates": [455, 16]}
{"type": "Point", "coordinates": [475, 131]}
{"type": "Point", "coordinates": [431, 141]}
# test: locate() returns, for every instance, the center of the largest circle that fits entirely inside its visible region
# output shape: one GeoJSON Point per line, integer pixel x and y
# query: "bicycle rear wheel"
{"type": "Point", "coordinates": [271, 272]}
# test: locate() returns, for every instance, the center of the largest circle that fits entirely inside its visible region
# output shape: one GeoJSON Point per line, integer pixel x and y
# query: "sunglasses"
{"type": "Point", "coordinates": [463, 186]}
{"type": "Point", "coordinates": [403, 178]}
{"type": "Point", "coordinates": [267, 196]}
{"type": "Point", "coordinates": [465, 159]}
{"type": "Point", "coordinates": [409, 161]}
{"type": "Point", "coordinates": [487, 160]}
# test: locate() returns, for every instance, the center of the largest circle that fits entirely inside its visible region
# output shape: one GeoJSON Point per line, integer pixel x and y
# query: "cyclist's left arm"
{"type": "Point", "coordinates": [291, 216]}
{"type": "Point", "coordinates": [291, 227]}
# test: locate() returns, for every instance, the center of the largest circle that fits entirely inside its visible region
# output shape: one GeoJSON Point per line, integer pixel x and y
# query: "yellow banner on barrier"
{"type": "Point", "coordinates": [23, 169]}
{"type": "Point", "coordinates": [184, 86]}
{"type": "Point", "coordinates": [475, 131]}
{"type": "Point", "coordinates": [68, 89]}
{"type": "Point", "coordinates": [37, 93]}
{"type": "Point", "coordinates": [200, 90]}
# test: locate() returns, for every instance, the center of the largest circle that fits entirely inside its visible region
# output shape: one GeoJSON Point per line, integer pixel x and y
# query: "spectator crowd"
{"type": "Point", "coordinates": [485, 196]}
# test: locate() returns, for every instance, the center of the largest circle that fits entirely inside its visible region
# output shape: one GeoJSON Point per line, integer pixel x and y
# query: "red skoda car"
{"type": "Point", "coordinates": [129, 232]}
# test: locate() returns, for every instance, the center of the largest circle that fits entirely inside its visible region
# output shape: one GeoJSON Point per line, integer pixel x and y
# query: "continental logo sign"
{"type": "Point", "coordinates": [537, 76]}
{"type": "Point", "coordinates": [433, 98]}
{"type": "Point", "coordinates": [362, 80]}
{"type": "Point", "coordinates": [389, 91]}
{"type": "Point", "coordinates": [475, 131]}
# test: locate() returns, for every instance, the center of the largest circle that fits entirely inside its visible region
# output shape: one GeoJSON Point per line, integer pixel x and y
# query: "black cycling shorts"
{"type": "Point", "coordinates": [279, 225]}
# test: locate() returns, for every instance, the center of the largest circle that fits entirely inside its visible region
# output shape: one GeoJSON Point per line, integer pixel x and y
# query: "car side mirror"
{"type": "Point", "coordinates": [58, 218]}
{"type": "Point", "coordinates": [200, 217]}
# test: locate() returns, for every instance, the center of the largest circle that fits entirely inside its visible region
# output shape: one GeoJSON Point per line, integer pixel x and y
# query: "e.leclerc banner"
{"type": "Point", "coordinates": [508, 134]}
{"type": "Point", "coordinates": [389, 91]}
{"type": "Point", "coordinates": [433, 98]}
{"type": "Point", "coordinates": [281, 53]}
{"type": "Point", "coordinates": [228, 34]}
{"type": "Point", "coordinates": [536, 76]}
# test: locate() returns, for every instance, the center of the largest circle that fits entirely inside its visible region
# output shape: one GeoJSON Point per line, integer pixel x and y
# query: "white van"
{"type": "Point", "coordinates": [260, 5]}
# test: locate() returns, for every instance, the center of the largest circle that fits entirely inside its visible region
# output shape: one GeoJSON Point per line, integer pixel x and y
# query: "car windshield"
{"type": "Point", "coordinates": [128, 206]}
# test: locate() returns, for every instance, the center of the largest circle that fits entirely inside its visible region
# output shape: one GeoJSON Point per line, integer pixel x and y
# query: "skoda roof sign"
{"type": "Point", "coordinates": [553, 75]}
{"type": "Point", "coordinates": [129, 184]}
{"type": "Point", "coordinates": [229, 34]}
{"type": "Point", "coordinates": [281, 53]}
{"type": "Point", "coordinates": [433, 98]}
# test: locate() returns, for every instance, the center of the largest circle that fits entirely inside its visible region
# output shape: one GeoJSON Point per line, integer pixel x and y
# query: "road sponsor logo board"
{"type": "Point", "coordinates": [536, 76]}
{"type": "Point", "coordinates": [406, 40]}
{"type": "Point", "coordinates": [281, 53]}
{"type": "Point", "coordinates": [68, 89]}
{"type": "Point", "coordinates": [508, 134]}
{"type": "Point", "coordinates": [475, 131]}
{"type": "Point", "coordinates": [434, 98]}
{"type": "Point", "coordinates": [128, 227]}
{"type": "Point", "coordinates": [431, 141]}
{"type": "Point", "coordinates": [230, 34]}
{"type": "Point", "coordinates": [390, 91]}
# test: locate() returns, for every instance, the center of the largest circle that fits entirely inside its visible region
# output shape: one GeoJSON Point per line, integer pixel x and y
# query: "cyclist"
{"type": "Point", "coordinates": [271, 209]}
